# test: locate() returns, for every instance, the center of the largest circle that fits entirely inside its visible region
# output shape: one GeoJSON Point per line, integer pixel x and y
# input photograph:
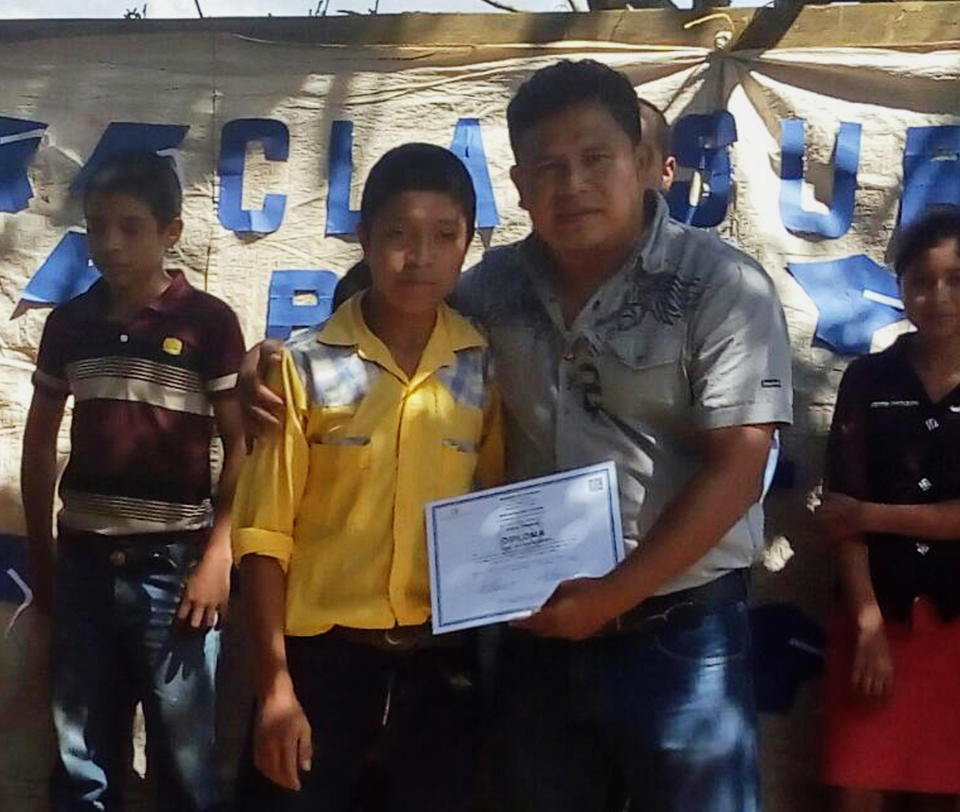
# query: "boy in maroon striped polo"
{"type": "Point", "coordinates": [140, 572]}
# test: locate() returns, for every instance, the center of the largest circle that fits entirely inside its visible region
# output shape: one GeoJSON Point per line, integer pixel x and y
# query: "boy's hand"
{"type": "Point", "coordinates": [841, 516]}
{"type": "Point", "coordinates": [575, 611]}
{"type": "Point", "coordinates": [207, 591]}
{"type": "Point", "coordinates": [872, 675]}
{"type": "Point", "coordinates": [262, 408]}
{"type": "Point", "coordinates": [282, 744]}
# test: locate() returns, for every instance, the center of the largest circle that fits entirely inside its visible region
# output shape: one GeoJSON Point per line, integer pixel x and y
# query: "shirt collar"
{"type": "Point", "coordinates": [97, 299]}
{"type": "Point", "coordinates": [451, 334]}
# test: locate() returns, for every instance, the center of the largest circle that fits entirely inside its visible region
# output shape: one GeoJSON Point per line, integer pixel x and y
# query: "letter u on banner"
{"type": "Point", "coordinates": [846, 158]}
{"type": "Point", "coordinates": [274, 136]}
{"type": "Point", "coordinates": [702, 141]}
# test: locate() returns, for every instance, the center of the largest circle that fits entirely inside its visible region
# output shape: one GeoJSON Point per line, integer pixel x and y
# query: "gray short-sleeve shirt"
{"type": "Point", "coordinates": [688, 335]}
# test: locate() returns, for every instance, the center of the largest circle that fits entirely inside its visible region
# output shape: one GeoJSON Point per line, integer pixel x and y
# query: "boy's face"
{"type": "Point", "coordinates": [931, 291]}
{"type": "Point", "coordinates": [126, 242]}
{"type": "Point", "coordinates": [582, 179]}
{"type": "Point", "coordinates": [415, 248]}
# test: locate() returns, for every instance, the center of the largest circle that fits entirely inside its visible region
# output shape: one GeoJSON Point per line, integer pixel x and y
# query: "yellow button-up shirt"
{"type": "Point", "coordinates": [338, 497]}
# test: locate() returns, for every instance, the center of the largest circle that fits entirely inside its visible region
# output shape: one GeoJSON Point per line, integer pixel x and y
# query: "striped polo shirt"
{"type": "Point", "coordinates": [142, 418]}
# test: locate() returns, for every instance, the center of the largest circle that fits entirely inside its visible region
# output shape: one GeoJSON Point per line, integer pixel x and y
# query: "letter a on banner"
{"type": "Point", "coordinates": [702, 142]}
{"type": "Point", "coordinates": [274, 136]}
{"type": "Point", "coordinates": [846, 158]}
{"type": "Point", "coordinates": [931, 170]}
{"type": "Point", "coordinates": [19, 140]}
{"type": "Point", "coordinates": [468, 147]}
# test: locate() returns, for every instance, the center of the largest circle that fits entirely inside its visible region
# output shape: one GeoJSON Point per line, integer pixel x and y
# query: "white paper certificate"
{"type": "Point", "coordinates": [497, 555]}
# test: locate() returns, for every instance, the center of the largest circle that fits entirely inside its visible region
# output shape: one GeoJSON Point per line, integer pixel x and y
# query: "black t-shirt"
{"type": "Point", "coordinates": [890, 443]}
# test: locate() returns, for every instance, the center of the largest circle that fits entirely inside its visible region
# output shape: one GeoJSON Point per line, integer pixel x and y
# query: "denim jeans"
{"type": "Point", "coordinates": [663, 714]}
{"type": "Point", "coordinates": [116, 642]}
{"type": "Point", "coordinates": [391, 731]}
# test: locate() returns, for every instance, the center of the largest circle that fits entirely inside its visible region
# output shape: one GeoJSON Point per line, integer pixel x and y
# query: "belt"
{"type": "Point", "coordinates": [659, 609]}
{"type": "Point", "coordinates": [159, 553]}
{"type": "Point", "coordinates": [397, 638]}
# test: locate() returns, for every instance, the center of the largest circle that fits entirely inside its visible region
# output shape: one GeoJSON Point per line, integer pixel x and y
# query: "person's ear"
{"type": "Point", "coordinates": [668, 174]}
{"type": "Point", "coordinates": [363, 237]}
{"type": "Point", "coordinates": [174, 231]}
{"type": "Point", "coordinates": [518, 177]}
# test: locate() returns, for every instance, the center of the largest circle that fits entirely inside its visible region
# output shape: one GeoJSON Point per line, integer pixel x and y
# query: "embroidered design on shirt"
{"type": "Point", "coordinates": [892, 404]}
{"type": "Point", "coordinates": [665, 296]}
{"type": "Point", "coordinates": [468, 377]}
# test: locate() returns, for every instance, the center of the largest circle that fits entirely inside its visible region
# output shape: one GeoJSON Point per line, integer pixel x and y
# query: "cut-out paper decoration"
{"type": "Point", "coordinates": [274, 136]}
{"type": "Point", "coordinates": [13, 576]}
{"type": "Point", "coordinates": [854, 296]}
{"type": "Point", "coordinates": [846, 159]}
{"type": "Point", "coordinates": [288, 289]}
{"type": "Point", "coordinates": [931, 170]}
{"type": "Point", "coordinates": [468, 147]}
{"type": "Point", "coordinates": [64, 275]}
{"type": "Point", "coordinates": [341, 219]}
{"type": "Point", "coordinates": [125, 136]}
{"type": "Point", "coordinates": [702, 142]}
{"type": "Point", "coordinates": [19, 140]}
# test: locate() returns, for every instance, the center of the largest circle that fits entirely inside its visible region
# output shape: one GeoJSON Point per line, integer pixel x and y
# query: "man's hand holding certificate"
{"type": "Point", "coordinates": [499, 554]}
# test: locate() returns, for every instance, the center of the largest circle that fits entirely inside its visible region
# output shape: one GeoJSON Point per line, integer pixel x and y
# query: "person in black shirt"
{"type": "Point", "coordinates": [892, 507]}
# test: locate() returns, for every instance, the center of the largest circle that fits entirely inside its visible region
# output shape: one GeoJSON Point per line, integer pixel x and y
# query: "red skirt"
{"type": "Point", "coordinates": [911, 741]}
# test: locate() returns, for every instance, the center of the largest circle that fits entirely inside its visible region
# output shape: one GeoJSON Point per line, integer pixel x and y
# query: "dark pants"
{"type": "Point", "coordinates": [664, 714]}
{"type": "Point", "coordinates": [116, 643]}
{"type": "Point", "coordinates": [391, 730]}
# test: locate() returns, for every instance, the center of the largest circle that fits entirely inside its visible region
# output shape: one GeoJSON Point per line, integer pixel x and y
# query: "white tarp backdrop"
{"type": "Point", "coordinates": [79, 86]}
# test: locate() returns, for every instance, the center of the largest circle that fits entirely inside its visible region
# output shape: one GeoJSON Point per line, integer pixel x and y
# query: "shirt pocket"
{"type": "Point", "coordinates": [339, 468]}
{"type": "Point", "coordinates": [458, 465]}
{"type": "Point", "coordinates": [638, 380]}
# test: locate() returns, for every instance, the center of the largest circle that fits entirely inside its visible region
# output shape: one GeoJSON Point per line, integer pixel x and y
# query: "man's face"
{"type": "Point", "coordinates": [582, 180]}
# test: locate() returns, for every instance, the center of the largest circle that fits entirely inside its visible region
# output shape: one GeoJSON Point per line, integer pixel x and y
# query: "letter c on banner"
{"type": "Point", "coordinates": [702, 141]}
{"type": "Point", "coordinates": [274, 136]}
{"type": "Point", "coordinates": [931, 170]}
{"type": "Point", "coordinates": [846, 158]}
{"type": "Point", "coordinates": [19, 139]}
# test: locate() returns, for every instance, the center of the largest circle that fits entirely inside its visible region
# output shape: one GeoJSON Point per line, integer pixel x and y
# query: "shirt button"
{"type": "Point", "coordinates": [124, 338]}
{"type": "Point", "coordinates": [568, 356]}
{"type": "Point", "coordinates": [932, 424]}
{"type": "Point", "coordinates": [925, 484]}
{"type": "Point", "coordinates": [922, 548]}
{"type": "Point", "coordinates": [118, 558]}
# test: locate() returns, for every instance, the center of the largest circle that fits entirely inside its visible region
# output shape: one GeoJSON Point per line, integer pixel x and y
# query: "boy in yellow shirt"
{"type": "Point", "coordinates": [389, 405]}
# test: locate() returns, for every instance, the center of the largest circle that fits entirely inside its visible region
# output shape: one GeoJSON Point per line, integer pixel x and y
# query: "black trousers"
{"type": "Point", "coordinates": [393, 731]}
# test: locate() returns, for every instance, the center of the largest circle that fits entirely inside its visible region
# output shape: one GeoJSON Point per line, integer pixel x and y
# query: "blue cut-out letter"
{"type": "Point", "coordinates": [274, 136]}
{"type": "Point", "coordinates": [341, 219]}
{"type": "Point", "coordinates": [64, 275]}
{"type": "Point", "coordinates": [123, 136]}
{"type": "Point", "coordinates": [285, 314]}
{"type": "Point", "coordinates": [468, 146]}
{"type": "Point", "coordinates": [19, 139]}
{"type": "Point", "coordinates": [702, 141]}
{"type": "Point", "coordinates": [854, 296]}
{"type": "Point", "coordinates": [846, 158]}
{"type": "Point", "coordinates": [931, 170]}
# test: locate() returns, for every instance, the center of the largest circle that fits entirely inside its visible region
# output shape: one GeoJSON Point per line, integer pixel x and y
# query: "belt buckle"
{"type": "Point", "coordinates": [391, 641]}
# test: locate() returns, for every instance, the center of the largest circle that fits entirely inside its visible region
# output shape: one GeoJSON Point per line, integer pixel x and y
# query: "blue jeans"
{"type": "Point", "coordinates": [116, 643]}
{"type": "Point", "coordinates": [663, 714]}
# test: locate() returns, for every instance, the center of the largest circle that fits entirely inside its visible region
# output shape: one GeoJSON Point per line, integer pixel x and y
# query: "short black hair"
{"type": "Point", "coordinates": [145, 176]}
{"type": "Point", "coordinates": [353, 281]}
{"type": "Point", "coordinates": [418, 167]}
{"type": "Point", "coordinates": [656, 128]}
{"type": "Point", "coordinates": [564, 84]}
{"type": "Point", "coordinates": [937, 225]}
